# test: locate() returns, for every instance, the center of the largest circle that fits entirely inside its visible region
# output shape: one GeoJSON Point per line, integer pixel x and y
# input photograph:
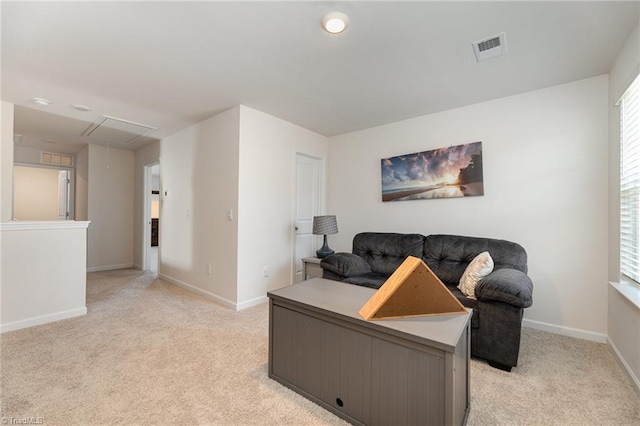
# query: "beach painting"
{"type": "Point", "coordinates": [450, 172]}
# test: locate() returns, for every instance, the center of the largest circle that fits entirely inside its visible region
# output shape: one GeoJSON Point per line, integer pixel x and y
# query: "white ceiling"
{"type": "Point", "coordinates": [172, 64]}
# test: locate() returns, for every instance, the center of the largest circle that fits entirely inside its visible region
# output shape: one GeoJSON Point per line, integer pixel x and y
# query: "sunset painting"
{"type": "Point", "coordinates": [450, 172]}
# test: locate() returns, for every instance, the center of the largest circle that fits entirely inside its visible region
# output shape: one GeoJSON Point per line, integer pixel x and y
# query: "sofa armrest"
{"type": "Point", "coordinates": [506, 285]}
{"type": "Point", "coordinates": [345, 264]}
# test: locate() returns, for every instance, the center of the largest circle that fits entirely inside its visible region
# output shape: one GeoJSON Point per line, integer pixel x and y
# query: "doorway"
{"type": "Point", "coordinates": [308, 203]}
{"type": "Point", "coordinates": [151, 240]}
{"type": "Point", "coordinates": [42, 193]}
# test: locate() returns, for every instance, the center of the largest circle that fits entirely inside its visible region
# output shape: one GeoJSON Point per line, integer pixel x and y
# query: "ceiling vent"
{"type": "Point", "coordinates": [115, 130]}
{"type": "Point", "coordinates": [491, 47]}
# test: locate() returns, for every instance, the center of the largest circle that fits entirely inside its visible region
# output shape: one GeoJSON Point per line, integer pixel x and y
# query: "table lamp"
{"type": "Point", "coordinates": [324, 225]}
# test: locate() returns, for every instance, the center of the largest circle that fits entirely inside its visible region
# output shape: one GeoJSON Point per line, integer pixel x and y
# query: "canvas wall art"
{"type": "Point", "coordinates": [450, 172]}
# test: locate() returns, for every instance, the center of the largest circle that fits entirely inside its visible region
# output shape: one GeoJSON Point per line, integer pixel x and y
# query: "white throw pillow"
{"type": "Point", "coordinates": [480, 267]}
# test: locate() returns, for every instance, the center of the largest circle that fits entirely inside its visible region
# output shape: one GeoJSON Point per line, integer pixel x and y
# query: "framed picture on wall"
{"type": "Point", "coordinates": [450, 172]}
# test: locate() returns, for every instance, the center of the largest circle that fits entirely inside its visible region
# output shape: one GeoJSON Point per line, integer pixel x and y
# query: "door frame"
{"type": "Point", "coordinates": [67, 194]}
{"type": "Point", "coordinates": [146, 217]}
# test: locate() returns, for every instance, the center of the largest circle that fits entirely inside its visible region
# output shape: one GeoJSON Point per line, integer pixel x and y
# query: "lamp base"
{"type": "Point", "coordinates": [324, 251]}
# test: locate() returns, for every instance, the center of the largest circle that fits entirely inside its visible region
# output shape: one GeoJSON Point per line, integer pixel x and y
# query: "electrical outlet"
{"type": "Point", "coordinates": [265, 271]}
{"type": "Point", "coordinates": [208, 268]}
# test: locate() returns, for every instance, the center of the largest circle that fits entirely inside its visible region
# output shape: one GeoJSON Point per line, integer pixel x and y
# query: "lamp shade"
{"type": "Point", "coordinates": [325, 225]}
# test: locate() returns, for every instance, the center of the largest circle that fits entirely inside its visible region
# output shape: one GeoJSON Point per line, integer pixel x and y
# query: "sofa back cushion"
{"type": "Point", "coordinates": [386, 251]}
{"type": "Point", "coordinates": [449, 255]}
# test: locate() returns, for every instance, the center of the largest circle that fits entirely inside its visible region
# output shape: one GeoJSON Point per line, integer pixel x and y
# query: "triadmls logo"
{"type": "Point", "coordinates": [23, 420]}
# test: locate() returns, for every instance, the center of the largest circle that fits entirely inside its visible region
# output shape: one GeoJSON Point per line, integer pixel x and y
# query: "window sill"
{"type": "Point", "coordinates": [629, 291]}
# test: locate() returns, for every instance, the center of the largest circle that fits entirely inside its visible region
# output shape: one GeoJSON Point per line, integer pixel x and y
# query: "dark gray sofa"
{"type": "Point", "coordinates": [500, 297]}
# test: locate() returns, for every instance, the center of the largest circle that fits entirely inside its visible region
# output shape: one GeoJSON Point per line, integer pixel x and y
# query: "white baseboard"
{"type": "Point", "coordinates": [110, 267]}
{"type": "Point", "coordinates": [625, 365]}
{"type": "Point", "coordinates": [565, 331]}
{"type": "Point", "coordinates": [42, 319]}
{"type": "Point", "coordinates": [225, 302]}
{"type": "Point", "coordinates": [201, 292]}
{"type": "Point", "coordinates": [252, 302]}
{"type": "Point", "coordinates": [138, 267]}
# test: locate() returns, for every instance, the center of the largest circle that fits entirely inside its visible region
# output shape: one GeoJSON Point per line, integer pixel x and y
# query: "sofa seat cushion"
{"type": "Point", "coordinates": [371, 280]}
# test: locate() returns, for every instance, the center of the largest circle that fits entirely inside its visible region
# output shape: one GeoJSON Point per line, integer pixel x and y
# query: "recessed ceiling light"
{"type": "Point", "coordinates": [335, 22]}
{"type": "Point", "coordinates": [82, 108]}
{"type": "Point", "coordinates": [41, 101]}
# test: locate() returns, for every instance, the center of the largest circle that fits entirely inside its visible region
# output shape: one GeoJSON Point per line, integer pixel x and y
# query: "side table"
{"type": "Point", "coordinates": [311, 267]}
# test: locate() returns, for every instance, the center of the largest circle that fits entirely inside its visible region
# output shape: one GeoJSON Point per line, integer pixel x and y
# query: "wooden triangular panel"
{"type": "Point", "coordinates": [412, 290]}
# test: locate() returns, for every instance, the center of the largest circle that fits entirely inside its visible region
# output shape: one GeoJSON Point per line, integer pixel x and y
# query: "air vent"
{"type": "Point", "coordinates": [115, 130]}
{"type": "Point", "coordinates": [491, 47]}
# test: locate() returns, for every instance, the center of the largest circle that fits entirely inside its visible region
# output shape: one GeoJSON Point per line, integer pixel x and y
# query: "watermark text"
{"type": "Point", "coordinates": [22, 420]}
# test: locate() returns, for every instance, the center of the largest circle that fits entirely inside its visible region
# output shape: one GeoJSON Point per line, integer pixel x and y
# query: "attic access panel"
{"type": "Point", "coordinates": [115, 130]}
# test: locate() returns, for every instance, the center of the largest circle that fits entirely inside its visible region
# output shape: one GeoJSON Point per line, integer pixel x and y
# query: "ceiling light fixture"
{"type": "Point", "coordinates": [41, 101]}
{"type": "Point", "coordinates": [82, 108]}
{"type": "Point", "coordinates": [335, 22]}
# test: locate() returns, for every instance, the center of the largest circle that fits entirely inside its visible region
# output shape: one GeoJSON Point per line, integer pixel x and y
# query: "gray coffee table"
{"type": "Point", "coordinates": [400, 371]}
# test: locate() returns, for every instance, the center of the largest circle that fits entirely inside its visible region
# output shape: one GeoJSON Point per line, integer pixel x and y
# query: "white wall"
{"type": "Point", "coordinates": [624, 326]}
{"type": "Point", "coordinates": [623, 315]}
{"type": "Point", "coordinates": [6, 161]}
{"type": "Point", "coordinates": [545, 181]}
{"type": "Point", "coordinates": [44, 272]}
{"type": "Point", "coordinates": [35, 193]}
{"type": "Point", "coordinates": [266, 212]}
{"type": "Point", "coordinates": [26, 154]}
{"type": "Point", "coordinates": [199, 172]}
{"type": "Point", "coordinates": [143, 156]}
{"type": "Point", "coordinates": [110, 208]}
{"type": "Point", "coordinates": [242, 161]}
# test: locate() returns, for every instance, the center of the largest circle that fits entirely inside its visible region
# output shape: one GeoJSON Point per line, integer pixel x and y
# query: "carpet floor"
{"type": "Point", "coordinates": [151, 353]}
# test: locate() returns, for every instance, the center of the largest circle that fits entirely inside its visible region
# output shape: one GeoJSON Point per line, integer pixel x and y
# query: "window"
{"type": "Point", "coordinates": [630, 182]}
{"type": "Point", "coordinates": [56, 159]}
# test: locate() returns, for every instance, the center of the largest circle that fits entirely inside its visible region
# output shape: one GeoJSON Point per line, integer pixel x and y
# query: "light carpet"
{"type": "Point", "coordinates": [151, 353]}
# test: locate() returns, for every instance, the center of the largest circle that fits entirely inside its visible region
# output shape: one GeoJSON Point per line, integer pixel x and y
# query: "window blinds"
{"type": "Point", "coordinates": [630, 182]}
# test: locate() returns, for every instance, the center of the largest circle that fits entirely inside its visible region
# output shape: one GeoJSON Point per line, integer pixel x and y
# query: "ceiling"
{"type": "Point", "coordinates": [172, 64]}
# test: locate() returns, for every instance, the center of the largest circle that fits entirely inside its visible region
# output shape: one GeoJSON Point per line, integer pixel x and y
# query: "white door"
{"type": "Point", "coordinates": [308, 196]}
{"type": "Point", "coordinates": [63, 195]}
